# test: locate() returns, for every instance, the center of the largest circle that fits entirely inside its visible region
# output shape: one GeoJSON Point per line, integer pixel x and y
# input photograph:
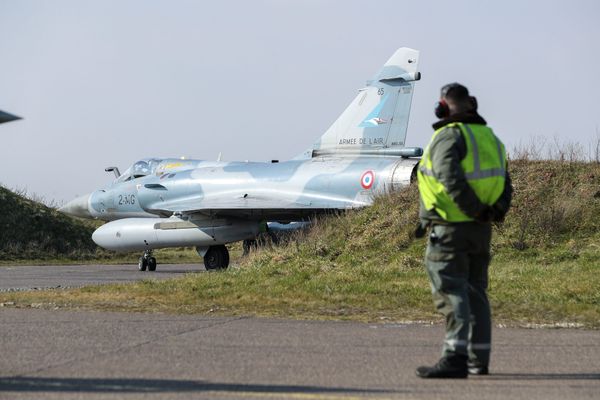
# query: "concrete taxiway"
{"type": "Point", "coordinates": [76, 354]}
{"type": "Point", "coordinates": [24, 277]}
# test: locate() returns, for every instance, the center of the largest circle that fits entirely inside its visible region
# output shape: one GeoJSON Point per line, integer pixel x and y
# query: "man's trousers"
{"type": "Point", "coordinates": [457, 260]}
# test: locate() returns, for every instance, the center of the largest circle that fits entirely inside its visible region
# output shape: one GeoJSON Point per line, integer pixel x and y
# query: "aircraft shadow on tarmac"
{"type": "Point", "coordinates": [124, 385]}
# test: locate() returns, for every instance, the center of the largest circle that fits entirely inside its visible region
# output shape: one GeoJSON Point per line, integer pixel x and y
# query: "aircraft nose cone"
{"type": "Point", "coordinates": [77, 207]}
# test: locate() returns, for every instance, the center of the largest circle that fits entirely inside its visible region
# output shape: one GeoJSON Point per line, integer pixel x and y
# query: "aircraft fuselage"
{"type": "Point", "coordinates": [284, 191]}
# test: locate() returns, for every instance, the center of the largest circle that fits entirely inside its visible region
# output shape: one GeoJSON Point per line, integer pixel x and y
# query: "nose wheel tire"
{"type": "Point", "coordinates": [146, 261]}
{"type": "Point", "coordinates": [217, 257]}
{"type": "Point", "coordinates": [151, 264]}
{"type": "Point", "coordinates": [142, 264]}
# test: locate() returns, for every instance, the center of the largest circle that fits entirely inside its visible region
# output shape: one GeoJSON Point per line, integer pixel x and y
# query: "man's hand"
{"type": "Point", "coordinates": [499, 212]}
{"type": "Point", "coordinates": [485, 215]}
{"type": "Point", "coordinates": [493, 213]}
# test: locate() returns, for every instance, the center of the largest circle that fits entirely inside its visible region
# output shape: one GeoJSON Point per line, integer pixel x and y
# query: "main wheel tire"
{"type": "Point", "coordinates": [217, 257]}
{"type": "Point", "coordinates": [151, 264]}
{"type": "Point", "coordinates": [142, 264]}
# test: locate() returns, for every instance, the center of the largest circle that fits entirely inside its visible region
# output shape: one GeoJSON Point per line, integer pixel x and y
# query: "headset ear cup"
{"type": "Point", "coordinates": [474, 102]}
{"type": "Point", "coordinates": [442, 110]}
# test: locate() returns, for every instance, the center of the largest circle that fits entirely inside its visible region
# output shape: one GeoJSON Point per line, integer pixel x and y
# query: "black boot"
{"type": "Point", "coordinates": [448, 367]}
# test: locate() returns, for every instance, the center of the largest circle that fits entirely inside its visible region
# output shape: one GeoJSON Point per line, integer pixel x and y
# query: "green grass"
{"type": "Point", "coordinates": [30, 230]}
{"type": "Point", "coordinates": [367, 266]}
{"type": "Point", "coordinates": [521, 291]}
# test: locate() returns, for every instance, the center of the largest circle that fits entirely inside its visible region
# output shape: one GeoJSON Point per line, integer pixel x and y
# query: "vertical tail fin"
{"type": "Point", "coordinates": [377, 119]}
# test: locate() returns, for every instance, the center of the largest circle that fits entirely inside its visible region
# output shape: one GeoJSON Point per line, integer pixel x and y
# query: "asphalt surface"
{"type": "Point", "coordinates": [72, 354]}
{"type": "Point", "coordinates": [62, 354]}
{"type": "Point", "coordinates": [68, 276]}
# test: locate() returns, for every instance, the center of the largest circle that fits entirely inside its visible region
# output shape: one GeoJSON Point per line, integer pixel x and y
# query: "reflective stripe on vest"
{"type": "Point", "coordinates": [485, 176]}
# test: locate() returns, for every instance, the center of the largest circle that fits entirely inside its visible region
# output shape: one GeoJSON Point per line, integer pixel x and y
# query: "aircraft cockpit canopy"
{"type": "Point", "coordinates": [139, 169]}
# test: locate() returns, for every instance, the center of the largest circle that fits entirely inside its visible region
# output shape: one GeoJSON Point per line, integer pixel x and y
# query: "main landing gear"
{"type": "Point", "coordinates": [215, 257]}
{"type": "Point", "coordinates": [147, 261]}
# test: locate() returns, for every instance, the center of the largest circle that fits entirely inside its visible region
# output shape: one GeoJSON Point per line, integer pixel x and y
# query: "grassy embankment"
{"type": "Point", "coordinates": [366, 265]}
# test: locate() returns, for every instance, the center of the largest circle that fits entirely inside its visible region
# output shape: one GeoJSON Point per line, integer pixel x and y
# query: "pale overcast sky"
{"type": "Point", "coordinates": [104, 83]}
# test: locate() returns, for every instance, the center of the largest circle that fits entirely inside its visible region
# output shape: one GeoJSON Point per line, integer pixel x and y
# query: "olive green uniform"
{"type": "Point", "coordinates": [458, 253]}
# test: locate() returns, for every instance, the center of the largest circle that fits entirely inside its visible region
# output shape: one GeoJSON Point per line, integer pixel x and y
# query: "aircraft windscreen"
{"type": "Point", "coordinates": [139, 169]}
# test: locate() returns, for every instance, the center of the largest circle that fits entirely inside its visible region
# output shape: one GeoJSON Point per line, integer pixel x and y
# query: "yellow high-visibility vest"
{"type": "Point", "coordinates": [484, 167]}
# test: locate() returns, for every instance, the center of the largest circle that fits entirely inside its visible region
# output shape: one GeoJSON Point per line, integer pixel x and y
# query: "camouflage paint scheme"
{"type": "Point", "coordinates": [360, 156]}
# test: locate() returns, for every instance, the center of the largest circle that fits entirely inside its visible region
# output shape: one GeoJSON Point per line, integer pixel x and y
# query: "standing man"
{"type": "Point", "coordinates": [464, 186]}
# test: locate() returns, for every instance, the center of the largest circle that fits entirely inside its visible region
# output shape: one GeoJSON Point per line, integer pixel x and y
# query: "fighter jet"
{"type": "Point", "coordinates": [170, 202]}
{"type": "Point", "coordinates": [6, 117]}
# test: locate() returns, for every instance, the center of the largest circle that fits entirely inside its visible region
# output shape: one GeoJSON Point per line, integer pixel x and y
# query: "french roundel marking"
{"type": "Point", "coordinates": [367, 179]}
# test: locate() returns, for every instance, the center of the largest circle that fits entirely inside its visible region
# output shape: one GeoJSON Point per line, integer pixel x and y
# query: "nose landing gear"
{"type": "Point", "coordinates": [147, 261]}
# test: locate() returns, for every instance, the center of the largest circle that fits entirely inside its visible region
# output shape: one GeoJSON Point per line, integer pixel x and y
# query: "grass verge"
{"type": "Point", "coordinates": [366, 266]}
{"type": "Point", "coordinates": [523, 291]}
